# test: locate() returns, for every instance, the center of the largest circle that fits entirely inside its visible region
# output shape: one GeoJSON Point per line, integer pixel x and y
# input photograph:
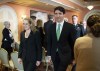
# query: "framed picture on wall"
{"type": "Point", "coordinates": [39, 15]}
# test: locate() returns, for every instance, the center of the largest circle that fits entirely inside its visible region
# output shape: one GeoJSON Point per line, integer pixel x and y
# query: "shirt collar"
{"type": "Point", "coordinates": [61, 23]}
{"type": "Point", "coordinates": [75, 24]}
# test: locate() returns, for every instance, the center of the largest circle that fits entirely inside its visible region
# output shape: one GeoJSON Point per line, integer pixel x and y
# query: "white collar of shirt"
{"type": "Point", "coordinates": [75, 24]}
{"type": "Point", "coordinates": [61, 25]}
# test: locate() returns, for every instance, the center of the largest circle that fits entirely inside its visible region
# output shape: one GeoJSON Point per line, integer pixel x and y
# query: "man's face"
{"type": "Point", "coordinates": [59, 16]}
{"type": "Point", "coordinates": [75, 19]}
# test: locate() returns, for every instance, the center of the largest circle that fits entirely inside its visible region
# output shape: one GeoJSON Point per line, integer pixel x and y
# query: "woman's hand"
{"type": "Point", "coordinates": [19, 60]}
{"type": "Point", "coordinates": [38, 63]}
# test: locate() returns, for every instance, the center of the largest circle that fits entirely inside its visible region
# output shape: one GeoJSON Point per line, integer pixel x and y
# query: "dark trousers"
{"type": "Point", "coordinates": [74, 68]}
{"type": "Point", "coordinates": [29, 65]}
{"type": "Point", "coordinates": [58, 64]}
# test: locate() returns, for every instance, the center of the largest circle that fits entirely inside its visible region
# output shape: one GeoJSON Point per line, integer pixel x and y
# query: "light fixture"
{"type": "Point", "coordinates": [90, 6]}
{"type": "Point", "coordinates": [23, 16]}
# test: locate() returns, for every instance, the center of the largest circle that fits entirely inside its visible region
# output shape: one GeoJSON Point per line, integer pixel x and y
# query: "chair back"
{"type": "Point", "coordinates": [4, 56]}
{"type": "Point", "coordinates": [14, 57]}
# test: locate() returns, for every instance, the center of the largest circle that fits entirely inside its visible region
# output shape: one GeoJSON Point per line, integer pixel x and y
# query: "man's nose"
{"type": "Point", "coordinates": [58, 15]}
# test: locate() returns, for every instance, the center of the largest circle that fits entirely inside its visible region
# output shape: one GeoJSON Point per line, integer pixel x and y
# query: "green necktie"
{"type": "Point", "coordinates": [58, 32]}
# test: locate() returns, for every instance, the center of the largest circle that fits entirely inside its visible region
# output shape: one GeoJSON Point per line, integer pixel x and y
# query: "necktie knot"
{"type": "Point", "coordinates": [58, 26]}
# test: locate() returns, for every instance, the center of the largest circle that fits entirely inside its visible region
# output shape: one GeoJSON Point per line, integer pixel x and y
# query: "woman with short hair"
{"type": "Point", "coordinates": [7, 39]}
{"type": "Point", "coordinates": [30, 51]}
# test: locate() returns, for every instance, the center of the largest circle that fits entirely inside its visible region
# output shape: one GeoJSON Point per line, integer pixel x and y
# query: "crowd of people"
{"type": "Point", "coordinates": [75, 44]}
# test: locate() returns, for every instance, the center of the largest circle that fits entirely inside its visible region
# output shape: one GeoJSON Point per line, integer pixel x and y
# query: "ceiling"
{"type": "Point", "coordinates": [84, 3]}
{"type": "Point", "coordinates": [33, 4]}
{"type": "Point", "coordinates": [91, 0]}
{"type": "Point", "coordinates": [40, 4]}
{"type": "Point", "coordinates": [4, 1]}
{"type": "Point", "coordinates": [51, 4]}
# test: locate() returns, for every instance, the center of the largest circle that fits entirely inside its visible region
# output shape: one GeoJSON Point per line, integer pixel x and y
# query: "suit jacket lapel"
{"type": "Point", "coordinates": [54, 32]}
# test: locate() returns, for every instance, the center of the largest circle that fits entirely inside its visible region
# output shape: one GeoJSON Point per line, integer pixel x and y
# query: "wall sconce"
{"type": "Point", "coordinates": [23, 16]}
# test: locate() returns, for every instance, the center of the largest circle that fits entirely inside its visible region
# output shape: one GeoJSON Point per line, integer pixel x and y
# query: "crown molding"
{"type": "Point", "coordinates": [5, 1]}
{"type": "Point", "coordinates": [84, 4]}
{"type": "Point", "coordinates": [57, 3]}
{"type": "Point", "coordinates": [77, 2]}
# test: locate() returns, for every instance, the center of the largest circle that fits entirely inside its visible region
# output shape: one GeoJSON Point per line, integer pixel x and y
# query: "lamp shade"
{"type": "Point", "coordinates": [90, 7]}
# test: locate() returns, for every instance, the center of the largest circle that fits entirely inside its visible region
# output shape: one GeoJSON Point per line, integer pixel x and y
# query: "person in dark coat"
{"type": "Point", "coordinates": [7, 39]}
{"type": "Point", "coordinates": [60, 41]}
{"type": "Point", "coordinates": [79, 33]}
{"type": "Point", "coordinates": [47, 26]}
{"type": "Point", "coordinates": [40, 29]}
{"type": "Point", "coordinates": [79, 28]}
{"type": "Point", "coordinates": [30, 50]}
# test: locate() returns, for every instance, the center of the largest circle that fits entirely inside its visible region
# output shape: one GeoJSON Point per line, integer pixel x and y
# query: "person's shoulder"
{"type": "Point", "coordinates": [5, 29]}
{"type": "Point", "coordinates": [49, 21]}
{"type": "Point", "coordinates": [80, 39]}
{"type": "Point", "coordinates": [36, 32]}
{"type": "Point", "coordinates": [80, 25]}
{"type": "Point", "coordinates": [45, 22]}
{"type": "Point", "coordinates": [67, 23]}
{"type": "Point", "coordinates": [84, 39]}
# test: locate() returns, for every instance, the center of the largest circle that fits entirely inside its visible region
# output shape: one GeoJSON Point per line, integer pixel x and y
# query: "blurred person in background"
{"type": "Point", "coordinates": [47, 27]}
{"type": "Point", "coordinates": [84, 24]}
{"type": "Point", "coordinates": [33, 20]}
{"type": "Point", "coordinates": [40, 29]}
{"type": "Point", "coordinates": [7, 39]}
{"type": "Point", "coordinates": [79, 28]}
{"type": "Point", "coordinates": [79, 33]}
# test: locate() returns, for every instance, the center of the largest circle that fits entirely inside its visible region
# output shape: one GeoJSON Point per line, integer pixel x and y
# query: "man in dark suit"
{"type": "Point", "coordinates": [47, 26]}
{"type": "Point", "coordinates": [79, 33]}
{"type": "Point", "coordinates": [79, 28]}
{"type": "Point", "coordinates": [60, 41]}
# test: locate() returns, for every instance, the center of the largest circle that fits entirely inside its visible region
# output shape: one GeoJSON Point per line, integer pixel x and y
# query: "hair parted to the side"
{"type": "Point", "coordinates": [33, 28]}
{"type": "Point", "coordinates": [93, 23]}
{"type": "Point", "coordinates": [60, 9]}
